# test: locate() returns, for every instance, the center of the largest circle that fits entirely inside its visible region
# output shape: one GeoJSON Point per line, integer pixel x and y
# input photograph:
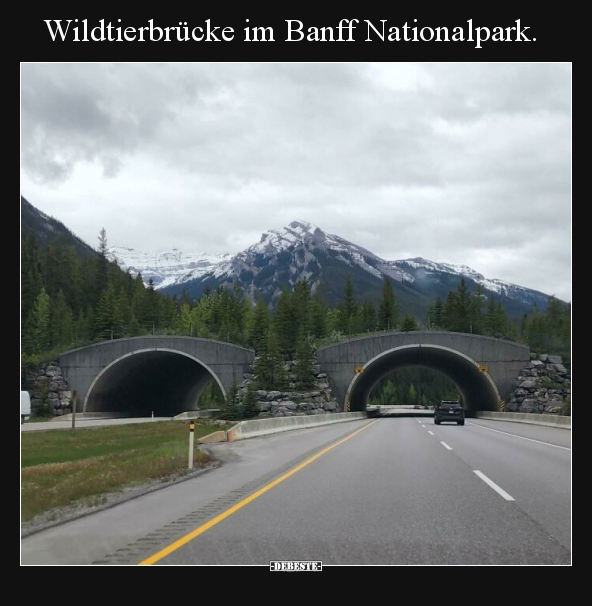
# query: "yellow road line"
{"type": "Point", "coordinates": [204, 527]}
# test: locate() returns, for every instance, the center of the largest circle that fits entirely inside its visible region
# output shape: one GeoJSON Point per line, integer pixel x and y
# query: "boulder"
{"type": "Point", "coordinates": [528, 384]}
{"type": "Point", "coordinates": [331, 406]}
{"type": "Point", "coordinates": [288, 404]}
{"type": "Point", "coordinates": [543, 357]}
{"type": "Point", "coordinates": [555, 360]}
{"type": "Point", "coordinates": [528, 405]}
{"type": "Point", "coordinates": [273, 395]}
{"type": "Point", "coordinates": [264, 406]}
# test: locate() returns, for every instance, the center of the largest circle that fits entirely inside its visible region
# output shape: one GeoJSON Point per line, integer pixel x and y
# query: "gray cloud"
{"type": "Point", "coordinates": [465, 163]}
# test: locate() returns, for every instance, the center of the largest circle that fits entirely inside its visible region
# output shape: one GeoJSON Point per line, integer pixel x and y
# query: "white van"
{"type": "Point", "coordinates": [25, 406]}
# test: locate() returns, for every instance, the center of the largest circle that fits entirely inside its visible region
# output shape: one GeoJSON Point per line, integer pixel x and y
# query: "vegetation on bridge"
{"type": "Point", "coordinates": [71, 299]}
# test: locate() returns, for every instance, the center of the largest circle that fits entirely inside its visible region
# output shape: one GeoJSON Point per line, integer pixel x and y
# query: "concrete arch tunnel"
{"type": "Point", "coordinates": [162, 381]}
{"type": "Point", "coordinates": [484, 369]}
{"type": "Point", "coordinates": [133, 377]}
{"type": "Point", "coordinates": [479, 391]}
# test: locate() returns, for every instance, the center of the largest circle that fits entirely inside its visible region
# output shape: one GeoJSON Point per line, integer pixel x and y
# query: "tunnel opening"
{"type": "Point", "coordinates": [413, 387]}
{"type": "Point", "coordinates": [476, 388]}
{"type": "Point", "coordinates": [162, 382]}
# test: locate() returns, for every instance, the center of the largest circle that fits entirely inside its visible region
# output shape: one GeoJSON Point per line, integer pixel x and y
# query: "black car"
{"type": "Point", "coordinates": [449, 410]}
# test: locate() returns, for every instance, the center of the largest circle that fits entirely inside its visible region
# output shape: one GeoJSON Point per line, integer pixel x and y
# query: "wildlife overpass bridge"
{"type": "Point", "coordinates": [167, 374]}
{"type": "Point", "coordinates": [143, 374]}
{"type": "Point", "coordinates": [484, 369]}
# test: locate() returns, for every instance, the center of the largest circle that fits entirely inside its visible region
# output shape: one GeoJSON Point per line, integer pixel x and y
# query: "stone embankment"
{"type": "Point", "coordinates": [544, 386]}
{"type": "Point", "coordinates": [315, 401]}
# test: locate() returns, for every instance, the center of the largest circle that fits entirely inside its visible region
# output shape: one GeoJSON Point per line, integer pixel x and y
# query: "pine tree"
{"type": "Point", "coordinates": [103, 264]}
{"type": "Point", "coordinates": [302, 306]}
{"type": "Point", "coordinates": [439, 313]}
{"type": "Point", "coordinates": [61, 322]}
{"type": "Point", "coordinates": [269, 366]}
{"type": "Point", "coordinates": [305, 357]}
{"type": "Point", "coordinates": [409, 323]}
{"type": "Point", "coordinates": [320, 325]}
{"type": "Point", "coordinates": [285, 323]}
{"type": "Point", "coordinates": [476, 317]}
{"type": "Point", "coordinates": [349, 309]}
{"type": "Point", "coordinates": [368, 316]}
{"type": "Point", "coordinates": [37, 331]}
{"type": "Point", "coordinates": [457, 312]}
{"type": "Point", "coordinates": [232, 409]}
{"type": "Point", "coordinates": [259, 328]}
{"type": "Point", "coordinates": [108, 318]}
{"type": "Point", "coordinates": [388, 312]}
{"type": "Point", "coordinates": [250, 406]}
{"type": "Point", "coordinates": [31, 273]}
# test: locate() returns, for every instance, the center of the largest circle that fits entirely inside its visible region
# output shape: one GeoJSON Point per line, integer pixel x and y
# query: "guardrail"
{"type": "Point", "coordinates": [527, 417]}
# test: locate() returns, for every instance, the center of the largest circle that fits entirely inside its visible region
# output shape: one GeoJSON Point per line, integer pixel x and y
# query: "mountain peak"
{"type": "Point", "coordinates": [278, 240]}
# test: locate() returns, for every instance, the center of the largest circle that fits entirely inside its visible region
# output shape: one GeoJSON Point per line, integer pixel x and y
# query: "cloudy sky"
{"type": "Point", "coordinates": [458, 163]}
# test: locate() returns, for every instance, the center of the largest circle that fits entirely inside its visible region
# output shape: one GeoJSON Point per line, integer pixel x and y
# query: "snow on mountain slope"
{"type": "Point", "coordinates": [166, 267]}
{"type": "Point", "coordinates": [302, 250]}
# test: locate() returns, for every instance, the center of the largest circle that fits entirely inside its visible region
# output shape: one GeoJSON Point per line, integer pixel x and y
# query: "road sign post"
{"type": "Point", "coordinates": [191, 431]}
{"type": "Point", "coordinates": [74, 398]}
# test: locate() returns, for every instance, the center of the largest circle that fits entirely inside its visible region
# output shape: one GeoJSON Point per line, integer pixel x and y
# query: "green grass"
{"type": "Point", "coordinates": [61, 467]}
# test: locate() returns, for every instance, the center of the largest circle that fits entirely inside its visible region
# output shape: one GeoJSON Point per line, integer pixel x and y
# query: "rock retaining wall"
{"type": "Point", "coordinates": [50, 393]}
{"type": "Point", "coordinates": [317, 400]}
{"type": "Point", "coordinates": [544, 386]}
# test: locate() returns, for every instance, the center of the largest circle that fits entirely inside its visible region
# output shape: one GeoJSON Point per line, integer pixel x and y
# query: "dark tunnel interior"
{"type": "Point", "coordinates": [165, 382]}
{"type": "Point", "coordinates": [477, 389]}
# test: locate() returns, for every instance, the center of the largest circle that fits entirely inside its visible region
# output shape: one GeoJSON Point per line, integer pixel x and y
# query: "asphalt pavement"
{"type": "Point", "coordinates": [385, 491]}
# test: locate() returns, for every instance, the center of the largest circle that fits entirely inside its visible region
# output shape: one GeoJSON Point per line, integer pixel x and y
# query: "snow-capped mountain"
{"type": "Point", "coordinates": [303, 250]}
{"type": "Point", "coordinates": [168, 267]}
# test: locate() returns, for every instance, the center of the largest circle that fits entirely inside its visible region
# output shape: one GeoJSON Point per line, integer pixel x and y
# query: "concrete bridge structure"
{"type": "Point", "coordinates": [154, 373]}
{"type": "Point", "coordinates": [484, 369]}
{"type": "Point", "coordinates": [167, 374]}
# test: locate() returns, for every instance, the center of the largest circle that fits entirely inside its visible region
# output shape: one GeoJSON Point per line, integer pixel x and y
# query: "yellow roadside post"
{"type": "Point", "coordinates": [191, 430]}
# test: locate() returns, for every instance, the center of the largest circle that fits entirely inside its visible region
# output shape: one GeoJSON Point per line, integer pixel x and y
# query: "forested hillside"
{"type": "Point", "coordinates": [72, 295]}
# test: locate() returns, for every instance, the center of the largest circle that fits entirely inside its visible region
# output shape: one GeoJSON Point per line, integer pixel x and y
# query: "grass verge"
{"type": "Point", "coordinates": [61, 468]}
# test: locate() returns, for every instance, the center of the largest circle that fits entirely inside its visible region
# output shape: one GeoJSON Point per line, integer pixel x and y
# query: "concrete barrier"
{"type": "Point", "coordinates": [197, 414]}
{"type": "Point", "coordinates": [263, 427]}
{"type": "Point", "coordinates": [217, 436]}
{"type": "Point", "coordinates": [81, 416]}
{"type": "Point", "coordinates": [527, 417]}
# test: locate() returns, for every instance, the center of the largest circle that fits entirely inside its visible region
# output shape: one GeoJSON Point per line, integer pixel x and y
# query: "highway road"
{"type": "Point", "coordinates": [384, 491]}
